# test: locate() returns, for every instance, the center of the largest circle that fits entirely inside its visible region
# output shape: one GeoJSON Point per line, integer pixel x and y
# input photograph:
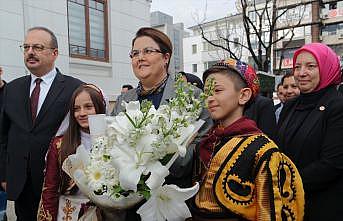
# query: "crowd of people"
{"type": "Point", "coordinates": [253, 161]}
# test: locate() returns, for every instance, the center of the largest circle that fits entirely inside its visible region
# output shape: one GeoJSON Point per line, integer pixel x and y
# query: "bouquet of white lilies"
{"type": "Point", "coordinates": [132, 153]}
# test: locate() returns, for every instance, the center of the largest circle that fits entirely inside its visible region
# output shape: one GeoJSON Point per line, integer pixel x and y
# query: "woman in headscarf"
{"type": "Point", "coordinates": [311, 128]}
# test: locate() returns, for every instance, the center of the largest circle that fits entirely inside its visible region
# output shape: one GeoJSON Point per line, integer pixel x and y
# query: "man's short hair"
{"type": "Point", "coordinates": [279, 85]}
{"type": "Point", "coordinates": [286, 76]}
{"type": "Point", "coordinates": [53, 40]}
{"type": "Point", "coordinates": [128, 86]}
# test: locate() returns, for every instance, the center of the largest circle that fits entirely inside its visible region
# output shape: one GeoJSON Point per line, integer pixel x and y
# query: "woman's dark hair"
{"type": "Point", "coordinates": [72, 137]}
{"type": "Point", "coordinates": [159, 37]}
{"type": "Point", "coordinates": [193, 79]}
{"type": "Point", "coordinates": [128, 86]}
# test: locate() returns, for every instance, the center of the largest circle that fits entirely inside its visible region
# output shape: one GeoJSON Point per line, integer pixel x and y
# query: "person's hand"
{"type": "Point", "coordinates": [4, 185]}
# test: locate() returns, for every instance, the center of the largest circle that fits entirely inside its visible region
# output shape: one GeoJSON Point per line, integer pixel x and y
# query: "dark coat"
{"type": "Point", "coordinates": [317, 153]}
{"type": "Point", "coordinates": [261, 110]}
{"type": "Point", "coordinates": [23, 144]}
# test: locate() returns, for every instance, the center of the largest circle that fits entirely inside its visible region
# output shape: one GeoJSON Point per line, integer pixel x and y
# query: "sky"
{"type": "Point", "coordinates": [190, 12]}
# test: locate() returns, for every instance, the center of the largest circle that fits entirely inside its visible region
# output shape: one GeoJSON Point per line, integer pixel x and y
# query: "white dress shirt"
{"type": "Point", "coordinates": [278, 112]}
{"type": "Point", "coordinates": [44, 86]}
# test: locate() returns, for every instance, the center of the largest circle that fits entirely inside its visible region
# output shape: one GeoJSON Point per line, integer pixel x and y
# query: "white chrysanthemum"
{"type": "Point", "coordinates": [95, 176]}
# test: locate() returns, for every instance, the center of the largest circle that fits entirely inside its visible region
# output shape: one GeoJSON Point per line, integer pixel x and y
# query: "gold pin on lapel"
{"type": "Point", "coordinates": [321, 108]}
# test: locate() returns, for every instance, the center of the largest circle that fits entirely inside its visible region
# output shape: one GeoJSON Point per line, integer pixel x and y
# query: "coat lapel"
{"type": "Point", "coordinates": [169, 90]}
{"type": "Point", "coordinates": [285, 116]}
{"type": "Point", "coordinates": [26, 99]}
{"type": "Point", "coordinates": [54, 91]}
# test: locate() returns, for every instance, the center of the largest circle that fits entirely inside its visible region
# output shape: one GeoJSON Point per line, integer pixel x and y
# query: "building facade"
{"type": "Point", "coordinates": [300, 22]}
{"type": "Point", "coordinates": [94, 37]}
{"type": "Point", "coordinates": [175, 32]}
{"type": "Point", "coordinates": [321, 21]}
{"type": "Point", "coordinates": [200, 55]}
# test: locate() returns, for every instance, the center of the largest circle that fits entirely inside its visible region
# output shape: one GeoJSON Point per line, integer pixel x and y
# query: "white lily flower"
{"type": "Point", "coordinates": [133, 162]}
{"type": "Point", "coordinates": [157, 176]}
{"type": "Point", "coordinates": [167, 203]}
{"type": "Point", "coordinates": [121, 126]}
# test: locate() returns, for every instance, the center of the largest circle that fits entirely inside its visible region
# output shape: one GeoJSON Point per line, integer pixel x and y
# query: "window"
{"type": "Point", "coordinates": [194, 49]}
{"type": "Point", "coordinates": [330, 29]}
{"type": "Point", "coordinates": [333, 6]}
{"type": "Point", "coordinates": [252, 16]}
{"type": "Point", "coordinates": [209, 64]}
{"type": "Point", "coordinates": [209, 47]}
{"type": "Point", "coordinates": [195, 68]}
{"type": "Point", "coordinates": [236, 41]}
{"type": "Point", "coordinates": [88, 33]}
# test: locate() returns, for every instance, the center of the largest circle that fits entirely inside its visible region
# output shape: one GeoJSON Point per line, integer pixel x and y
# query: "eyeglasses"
{"type": "Point", "coordinates": [35, 47]}
{"type": "Point", "coordinates": [134, 54]}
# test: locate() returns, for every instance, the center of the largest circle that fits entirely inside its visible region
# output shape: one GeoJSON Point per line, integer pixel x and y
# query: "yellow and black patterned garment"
{"type": "Point", "coordinates": [250, 179]}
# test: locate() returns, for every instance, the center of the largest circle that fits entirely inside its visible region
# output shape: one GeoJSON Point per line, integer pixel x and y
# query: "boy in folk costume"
{"type": "Point", "coordinates": [243, 174]}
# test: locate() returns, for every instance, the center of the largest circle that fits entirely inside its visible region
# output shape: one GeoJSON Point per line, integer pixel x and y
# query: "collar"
{"type": "Point", "coordinates": [242, 126]}
{"type": "Point", "coordinates": [47, 78]}
{"type": "Point", "coordinates": [155, 90]}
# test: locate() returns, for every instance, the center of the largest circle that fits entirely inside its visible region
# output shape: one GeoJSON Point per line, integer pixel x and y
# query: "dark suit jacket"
{"type": "Point", "coordinates": [318, 154]}
{"type": "Point", "coordinates": [23, 145]}
{"type": "Point", "coordinates": [261, 110]}
{"type": "Point", "coordinates": [277, 106]}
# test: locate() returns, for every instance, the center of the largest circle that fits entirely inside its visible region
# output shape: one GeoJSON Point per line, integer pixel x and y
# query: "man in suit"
{"type": "Point", "coordinates": [125, 88]}
{"type": "Point", "coordinates": [32, 112]}
{"type": "Point", "coordinates": [290, 87]}
{"type": "Point", "coordinates": [281, 95]}
{"type": "Point", "coordinates": [3, 197]}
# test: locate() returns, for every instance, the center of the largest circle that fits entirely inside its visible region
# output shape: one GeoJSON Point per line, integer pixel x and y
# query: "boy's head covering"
{"type": "Point", "coordinates": [245, 71]}
{"type": "Point", "coordinates": [328, 63]}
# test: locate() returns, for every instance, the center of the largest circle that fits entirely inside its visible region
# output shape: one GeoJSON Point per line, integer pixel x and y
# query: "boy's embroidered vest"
{"type": "Point", "coordinates": [231, 180]}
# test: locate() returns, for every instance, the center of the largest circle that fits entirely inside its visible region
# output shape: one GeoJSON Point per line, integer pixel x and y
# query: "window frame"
{"type": "Point", "coordinates": [87, 28]}
{"type": "Point", "coordinates": [195, 67]}
{"type": "Point", "coordinates": [194, 48]}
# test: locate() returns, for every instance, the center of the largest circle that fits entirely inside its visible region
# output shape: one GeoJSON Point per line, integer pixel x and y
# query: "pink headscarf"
{"type": "Point", "coordinates": [328, 63]}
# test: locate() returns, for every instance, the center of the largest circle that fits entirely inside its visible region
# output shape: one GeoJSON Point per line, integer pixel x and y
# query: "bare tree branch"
{"type": "Point", "coordinates": [260, 26]}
